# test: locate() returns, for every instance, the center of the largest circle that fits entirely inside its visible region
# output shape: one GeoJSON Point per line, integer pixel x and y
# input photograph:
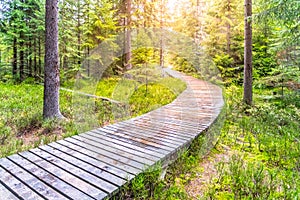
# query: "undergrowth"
{"type": "Point", "coordinates": [264, 140]}
{"type": "Point", "coordinates": [22, 126]}
{"type": "Point", "coordinates": [151, 185]}
{"type": "Point", "coordinates": [262, 143]}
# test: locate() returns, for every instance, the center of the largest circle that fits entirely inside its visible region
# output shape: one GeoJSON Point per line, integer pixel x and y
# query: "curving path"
{"type": "Point", "coordinates": [95, 164]}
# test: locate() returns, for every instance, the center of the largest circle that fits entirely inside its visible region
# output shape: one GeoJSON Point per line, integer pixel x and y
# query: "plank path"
{"type": "Point", "coordinates": [95, 164]}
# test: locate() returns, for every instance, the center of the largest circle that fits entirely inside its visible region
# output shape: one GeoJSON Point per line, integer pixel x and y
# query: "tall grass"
{"type": "Point", "coordinates": [265, 141]}
{"type": "Point", "coordinates": [22, 126]}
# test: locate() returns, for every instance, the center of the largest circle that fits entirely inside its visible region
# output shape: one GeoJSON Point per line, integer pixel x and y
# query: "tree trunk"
{"type": "Point", "coordinates": [78, 33]}
{"type": "Point", "coordinates": [22, 75]}
{"type": "Point", "coordinates": [51, 71]}
{"type": "Point", "coordinates": [30, 58]}
{"type": "Point", "coordinates": [161, 50]}
{"type": "Point", "coordinates": [248, 54]}
{"type": "Point", "coordinates": [15, 58]}
{"type": "Point", "coordinates": [128, 55]}
{"type": "Point", "coordinates": [34, 58]}
{"type": "Point", "coordinates": [228, 34]}
{"type": "Point", "coordinates": [39, 71]}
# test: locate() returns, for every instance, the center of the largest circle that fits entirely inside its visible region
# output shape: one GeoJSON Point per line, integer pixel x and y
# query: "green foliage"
{"type": "Point", "coordinates": [182, 65]}
{"type": "Point", "coordinates": [21, 125]}
{"type": "Point", "coordinates": [149, 185]}
{"type": "Point", "coordinates": [229, 72]}
{"type": "Point", "coordinates": [264, 139]}
{"type": "Point", "coordinates": [149, 97]}
{"type": "Point", "coordinates": [105, 87]}
{"type": "Point", "coordinates": [143, 55]}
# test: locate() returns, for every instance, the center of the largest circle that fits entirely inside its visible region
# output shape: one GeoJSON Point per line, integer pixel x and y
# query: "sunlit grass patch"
{"type": "Point", "coordinates": [22, 126]}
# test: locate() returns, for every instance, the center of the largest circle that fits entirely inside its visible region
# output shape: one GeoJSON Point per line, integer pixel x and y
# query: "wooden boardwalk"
{"type": "Point", "coordinates": [95, 164]}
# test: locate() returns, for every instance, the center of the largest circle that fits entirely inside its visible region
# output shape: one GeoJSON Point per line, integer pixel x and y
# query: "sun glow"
{"type": "Point", "coordinates": [173, 6]}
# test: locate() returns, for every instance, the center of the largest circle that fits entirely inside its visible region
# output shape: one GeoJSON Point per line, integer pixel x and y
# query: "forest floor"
{"type": "Point", "coordinates": [258, 152]}
{"type": "Point", "coordinates": [257, 155]}
{"type": "Point", "coordinates": [197, 187]}
{"type": "Point", "coordinates": [22, 126]}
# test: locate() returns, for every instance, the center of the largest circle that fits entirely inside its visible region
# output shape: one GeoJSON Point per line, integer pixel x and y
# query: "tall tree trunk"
{"type": "Point", "coordinates": [22, 75]}
{"type": "Point", "coordinates": [78, 33]}
{"type": "Point", "coordinates": [15, 58]}
{"type": "Point", "coordinates": [228, 34]}
{"type": "Point", "coordinates": [161, 50]}
{"type": "Point", "coordinates": [34, 58]}
{"type": "Point", "coordinates": [30, 58]}
{"type": "Point", "coordinates": [248, 54]}
{"type": "Point", "coordinates": [51, 85]}
{"type": "Point", "coordinates": [88, 62]}
{"type": "Point", "coordinates": [40, 56]}
{"type": "Point", "coordinates": [128, 55]}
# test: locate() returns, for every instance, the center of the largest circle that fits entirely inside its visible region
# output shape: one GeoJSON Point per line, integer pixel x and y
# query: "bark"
{"type": "Point", "coordinates": [228, 35]}
{"type": "Point", "coordinates": [30, 58]}
{"type": "Point", "coordinates": [51, 71]}
{"type": "Point", "coordinates": [34, 58]}
{"type": "Point", "coordinates": [78, 34]}
{"type": "Point", "coordinates": [88, 62]}
{"type": "Point", "coordinates": [128, 55]}
{"type": "Point", "coordinates": [161, 50]}
{"type": "Point", "coordinates": [248, 54]}
{"type": "Point", "coordinates": [15, 58]}
{"type": "Point", "coordinates": [39, 70]}
{"type": "Point", "coordinates": [22, 75]}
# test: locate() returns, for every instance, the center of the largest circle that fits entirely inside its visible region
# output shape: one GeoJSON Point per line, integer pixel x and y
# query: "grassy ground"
{"type": "Point", "coordinates": [257, 156]}
{"type": "Point", "coordinates": [22, 126]}
{"type": "Point", "coordinates": [261, 149]}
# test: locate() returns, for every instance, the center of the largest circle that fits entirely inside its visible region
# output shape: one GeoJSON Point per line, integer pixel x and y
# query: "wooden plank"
{"type": "Point", "coordinates": [196, 112]}
{"type": "Point", "coordinates": [16, 185]}
{"type": "Point", "coordinates": [188, 117]}
{"type": "Point", "coordinates": [99, 143]}
{"type": "Point", "coordinates": [145, 143]}
{"type": "Point", "coordinates": [154, 133]}
{"type": "Point", "coordinates": [100, 156]}
{"type": "Point", "coordinates": [93, 165]}
{"type": "Point", "coordinates": [83, 175]}
{"type": "Point", "coordinates": [165, 129]}
{"type": "Point", "coordinates": [105, 136]}
{"type": "Point", "coordinates": [65, 176]}
{"type": "Point", "coordinates": [149, 142]}
{"type": "Point", "coordinates": [139, 156]}
{"type": "Point", "coordinates": [49, 178]}
{"type": "Point", "coordinates": [189, 131]}
{"type": "Point", "coordinates": [194, 128]}
{"type": "Point", "coordinates": [146, 134]}
{"type": "Point", "coordinates": [157, 128]}
{"type": "Point", "coordinates": [179, 120]}
{"type": "Point", "coordinates": [158, 125]}
{"type": "Point", "coordinates": [31, 181]}
{"type": "Point", "coordinates": [7, 194]}
{"type": "Point", "coordinates": [141, 138]}
{"type": "Point", "coordinates": [107, 177]}
{"type": "Point", "coordinates": [122, 157]}
{"type": "Point", "coordinates": [136, 143]}
{"type": "Point", "coordinates": [91, 158]}
{"type": "Point", "coordinates": [170, 134]}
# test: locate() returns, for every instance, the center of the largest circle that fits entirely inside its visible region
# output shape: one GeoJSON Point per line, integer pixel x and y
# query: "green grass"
{"type": "Point", "coordinates": [265, 139]}
{"type": "Point", "coordinates": [265, 161]}
{"type": "Point", "coordinates": [150, 97]}
{"type": "Point", "coordinates": [22, 126]}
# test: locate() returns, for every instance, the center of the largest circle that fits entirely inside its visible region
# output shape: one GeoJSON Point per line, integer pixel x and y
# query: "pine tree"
{"type": "Point", "coordinates": [248, 54]}
{"type": "Point", "coordinates": [51, 84]}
